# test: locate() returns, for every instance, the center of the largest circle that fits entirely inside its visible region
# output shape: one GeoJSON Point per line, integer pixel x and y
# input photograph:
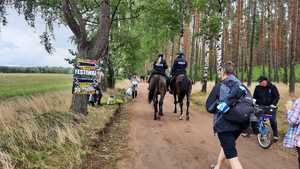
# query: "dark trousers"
{"type": "Point", "coordinates": [273, 122]}
{"type": "Point", "coordinates": [254, 126]}
{"type": "Point", "coordinates": [298, 150]}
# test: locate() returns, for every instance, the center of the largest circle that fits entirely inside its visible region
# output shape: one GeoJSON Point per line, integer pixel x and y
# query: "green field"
{"type": "Point", "coordinates": [12, 85]}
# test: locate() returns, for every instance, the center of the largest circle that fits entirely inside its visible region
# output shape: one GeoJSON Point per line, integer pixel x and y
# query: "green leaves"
{"type": "Point", "coordinates": [199, 4]}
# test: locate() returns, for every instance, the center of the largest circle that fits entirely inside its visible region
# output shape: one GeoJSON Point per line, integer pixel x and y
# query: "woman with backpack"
{"type": "Point", "coordinates": [221, 98]}
{"type": "Point", "coordinates": [292, 137]}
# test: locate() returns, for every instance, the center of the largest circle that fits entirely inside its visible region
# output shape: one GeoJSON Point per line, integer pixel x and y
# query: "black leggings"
{"type": "Point", "coordinates": [298, 150]}
{"type": "Point", "coordinates": [227, 140]}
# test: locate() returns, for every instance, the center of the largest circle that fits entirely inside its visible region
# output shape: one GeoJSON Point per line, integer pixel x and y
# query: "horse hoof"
{"type": "Point", "coordinates": [181, 117]}
{"type": "Point", "coordinates": [187, 118]}
{"type": "Point", "coordinates": [174, 112]}
{"type": "Point", "coordinates": [158, 118]}
{"type": "Point", "coordinates": [161, 114]}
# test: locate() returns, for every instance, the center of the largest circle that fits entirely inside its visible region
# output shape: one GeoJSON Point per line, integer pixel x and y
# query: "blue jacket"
{"type": "Point", "coordinates": [222, 92]}
{"type": "Point", "coordinates": [179, 66]}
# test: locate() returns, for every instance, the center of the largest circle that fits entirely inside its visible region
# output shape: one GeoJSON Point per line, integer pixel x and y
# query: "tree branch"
{"type": "Point", "coordinates": [102, 36]}
{"type": "Point", "coordinates": [127, 18]}
{"type": "Point", "coordinates": [71, 22]}
{"type": "Point", "coordinates": [75, 22]}
{"type": "Point", "coordinates": [115, 12]}
{"type": "Point", "coordinates": [78, 16]}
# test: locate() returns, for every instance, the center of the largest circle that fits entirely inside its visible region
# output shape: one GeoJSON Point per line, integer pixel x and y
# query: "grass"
{"type": "Point", "coordinates": [39, 132]}
{"type": "Point", "coordinates": [199, 99]}
{"type": "Point", "coordinates": [12, 85]}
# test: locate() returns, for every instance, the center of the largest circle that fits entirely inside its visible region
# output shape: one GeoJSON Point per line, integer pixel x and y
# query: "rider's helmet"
{"type": "Point", "coordinates": [180, 55]}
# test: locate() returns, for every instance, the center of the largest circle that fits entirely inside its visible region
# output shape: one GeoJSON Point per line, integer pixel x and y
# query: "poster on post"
{"type": "Point", "coordinates": [84, 78]}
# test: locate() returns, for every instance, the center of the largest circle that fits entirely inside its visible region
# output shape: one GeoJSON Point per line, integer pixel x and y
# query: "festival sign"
{"type": "Point", "coordinates": [84, 81]}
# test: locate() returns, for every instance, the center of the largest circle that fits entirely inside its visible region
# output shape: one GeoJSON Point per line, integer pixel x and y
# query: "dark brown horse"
{"type": "Point", "coordinates": [183, 88]}
{"type": "Point", "coordinates": [157, 87]}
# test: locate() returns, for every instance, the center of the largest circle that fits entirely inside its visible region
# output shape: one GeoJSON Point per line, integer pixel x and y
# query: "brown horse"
{"type": "Point", "coordinates": [183, 87]}
{"type": "Point", "coordinates": [157, 86]}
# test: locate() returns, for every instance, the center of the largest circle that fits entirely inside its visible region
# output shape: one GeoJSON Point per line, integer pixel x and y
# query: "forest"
{"type": "Point", "coordinates": [262, 37]}
{"type": "Point", "coordinates": [36, 69]}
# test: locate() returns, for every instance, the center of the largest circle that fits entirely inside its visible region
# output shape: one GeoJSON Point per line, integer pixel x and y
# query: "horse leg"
{"type": "Point", "coordinates": [157, 109]}
{"type": "Point", "coordinates": [161, 102]}
{"type": "Point", "coordinates": [155, 103]}
{"type": "Point", "coordinates": [181, 110]}
{"type": "Point", "coordinates": [175, 103]}
{"type": "Point", "coordinates": [187, 107]}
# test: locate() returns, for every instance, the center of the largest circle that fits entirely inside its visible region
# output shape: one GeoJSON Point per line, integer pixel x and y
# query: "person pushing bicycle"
{"type": "Point", "coordinates": [266, 94]}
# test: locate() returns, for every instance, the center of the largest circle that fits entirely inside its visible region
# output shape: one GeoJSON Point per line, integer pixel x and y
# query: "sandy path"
{"type": "Point", "coordinates": [174, 144]}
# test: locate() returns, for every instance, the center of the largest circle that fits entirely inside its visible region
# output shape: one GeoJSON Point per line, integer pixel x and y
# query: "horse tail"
{"type": "Point", "coordinates": [150, 95]}
{"type": "Point", "coordinates": [183, 85]}
{"type": "Point", "coordinates": [152, 90]}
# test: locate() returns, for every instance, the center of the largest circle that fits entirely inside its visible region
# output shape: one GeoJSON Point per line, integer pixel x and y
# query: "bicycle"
{"type": "Point", "coordinates": [265, 135]}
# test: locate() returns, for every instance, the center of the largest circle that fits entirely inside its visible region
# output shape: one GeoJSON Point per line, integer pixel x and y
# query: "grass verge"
{"type": "Point", "coordinates": [39, 132]}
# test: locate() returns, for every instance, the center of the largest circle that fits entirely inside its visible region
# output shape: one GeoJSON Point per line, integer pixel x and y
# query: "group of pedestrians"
{"type": "Point", "coordinates": [221, 96]}
{"type": "Point", "coordinates": [265, 94]}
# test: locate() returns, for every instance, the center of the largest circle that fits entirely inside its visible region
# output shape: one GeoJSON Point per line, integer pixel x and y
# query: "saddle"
{"type": "Point", "coordinates": [173, 81]}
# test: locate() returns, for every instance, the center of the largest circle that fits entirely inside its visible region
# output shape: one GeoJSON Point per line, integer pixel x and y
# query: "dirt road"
{"type": "Point", "coordinates": [174, 144]}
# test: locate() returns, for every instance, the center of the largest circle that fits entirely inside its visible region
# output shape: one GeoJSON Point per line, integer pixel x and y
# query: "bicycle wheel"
{"type": "Point", "coordinates": [265, 137]}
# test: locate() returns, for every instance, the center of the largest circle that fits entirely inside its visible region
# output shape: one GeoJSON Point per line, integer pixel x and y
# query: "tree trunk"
{"type": "Point", "coordinates": [262, 39]}
{"type": "Point", "coordinates": [205, 66]}
{"type": "Point", "coordinates": [219, 44]}
{"type": "Point", "coordinates": [111, 74]}
{"type": "Point", "coordinates": [238, 31]}
{"type": "Point", "coordinates": [173, 48]}
{"type": "Point", "coordinates": [195, 70]}
{"type": "Point", "coordinates": [99, 50]}
{"type": "Point", "coordinates": [211, 59]}
{"type": "Point", "coordinates": [285, 69]}
{"type": "Point", "coordinates": [181, 21]}
{"type": "Point", "coordinates": [286, 51]}
{"type": "Point", "coordinates": [192, 53]}
{"type": "Point", "coordinates": [294, 39]}
{"type": "Point", "coordinates": [252, 45]}
{"type": "Point", "coordinates": [79, 104]}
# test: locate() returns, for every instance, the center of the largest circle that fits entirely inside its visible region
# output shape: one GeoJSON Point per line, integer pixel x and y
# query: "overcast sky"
{"type": "Point", "coordinates": [20, 44]}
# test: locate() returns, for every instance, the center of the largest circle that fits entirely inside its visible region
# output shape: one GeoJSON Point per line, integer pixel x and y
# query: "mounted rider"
{"type": "Point", "coordinates": [178, 68]}
{"type": "Point", "coordinates": [159, 68]}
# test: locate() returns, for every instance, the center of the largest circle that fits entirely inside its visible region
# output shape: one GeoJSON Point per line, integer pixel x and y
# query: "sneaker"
{"type": "Point", "coordinates": [245, 135]}
{"type": "Point", "coordinates": [212, 166]}
{"type": "Point", "coordinates": [275, 139]}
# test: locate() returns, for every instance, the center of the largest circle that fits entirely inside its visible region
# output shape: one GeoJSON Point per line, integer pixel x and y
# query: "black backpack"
{"type": "Point", "coordinates": [213, 99]}
{"type": "Point", "coordinates": [241, 107]}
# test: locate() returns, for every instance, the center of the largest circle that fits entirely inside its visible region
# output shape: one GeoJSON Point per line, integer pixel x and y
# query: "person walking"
{"type": "Point", "coordinates": [292, 137]}
{"type": "Point", "coordinates": [226, 131]}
